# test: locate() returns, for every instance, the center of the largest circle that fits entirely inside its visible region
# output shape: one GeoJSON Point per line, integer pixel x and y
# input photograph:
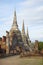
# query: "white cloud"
{"type": "Point", "coordinates": [36, 33]}
{"type": "Point", "coordinates": [30, 3]}
{"type": "Point", "coordinates": [32, 13]}
{"type": "Point", "coordinates": [29, 10]}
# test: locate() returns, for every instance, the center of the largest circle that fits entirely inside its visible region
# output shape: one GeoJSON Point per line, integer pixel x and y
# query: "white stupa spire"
{"type": "Point", "coordinates": [15, 26]}
{"type": "Point", "coordinates": [23, 28]}
{"type": "Point", "coordinates": [27, 33]}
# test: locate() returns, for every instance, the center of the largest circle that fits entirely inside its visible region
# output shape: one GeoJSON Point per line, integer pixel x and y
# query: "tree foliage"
{"type": "Point", "coordinates": [40, 46]}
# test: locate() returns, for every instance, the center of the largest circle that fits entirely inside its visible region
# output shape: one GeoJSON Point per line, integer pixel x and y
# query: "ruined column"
{"type": "Point", "coordinates": [7, 42]}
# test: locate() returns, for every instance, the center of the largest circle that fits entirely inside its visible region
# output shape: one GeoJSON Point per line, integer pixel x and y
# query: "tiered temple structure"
{"type": "Point", "coordinates": [17, 39]}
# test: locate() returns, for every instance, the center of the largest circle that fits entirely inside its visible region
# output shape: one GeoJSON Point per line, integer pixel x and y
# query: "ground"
{"type": "Point", "coordinates": [16, 60]}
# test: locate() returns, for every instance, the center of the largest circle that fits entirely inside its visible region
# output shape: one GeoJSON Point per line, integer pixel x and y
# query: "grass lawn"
{"type": "Point", "coordinates": [16, 60]}
{"type": "Point", "coordinates": [32, 61]}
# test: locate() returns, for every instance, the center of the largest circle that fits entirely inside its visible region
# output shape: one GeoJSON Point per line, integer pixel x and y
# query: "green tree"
{"type": "Point", "coordinates": [40, 46]}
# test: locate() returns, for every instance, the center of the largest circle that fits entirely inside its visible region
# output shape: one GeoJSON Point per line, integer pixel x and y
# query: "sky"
{"type": "Point", "coordinates": [31, 11]}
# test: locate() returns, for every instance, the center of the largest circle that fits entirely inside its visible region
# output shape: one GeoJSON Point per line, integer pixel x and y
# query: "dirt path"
{"type": "Point", "coordinates": [10, 61]}
{"type": "Point", "coordinates": [16, 60]}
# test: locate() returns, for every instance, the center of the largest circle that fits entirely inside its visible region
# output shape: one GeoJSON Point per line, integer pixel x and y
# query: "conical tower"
{"type": "Point", "coordinates": [15, 26]}
{"type": "Point", "coordinates": [27, 33]}
{"type": "Point", "coordinates": [23, 29]}
{"type": "Point", "coordinates": [15, 33]}
{"type": "Point", "coordinates": [23, 34]}
{"type": "Point", "coordinates": [28, 39]}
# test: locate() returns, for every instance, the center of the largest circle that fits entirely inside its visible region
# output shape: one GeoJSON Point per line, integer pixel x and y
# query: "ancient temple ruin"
{"type": "Point", "coordinates": [16, 38]}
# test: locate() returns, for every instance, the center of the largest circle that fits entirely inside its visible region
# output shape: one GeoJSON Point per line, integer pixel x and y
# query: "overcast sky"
{"type": "Point", "coordinates": [29, 10]}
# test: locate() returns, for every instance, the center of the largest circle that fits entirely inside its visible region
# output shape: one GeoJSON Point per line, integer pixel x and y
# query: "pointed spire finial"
{"type": "Point", "coordinates": [15, 19]}
{"type": "Point", "coordinates": [27, 33]}
{"type": "Point", "coordinates": [15, 13]}
{"type": "Point", "coordinates": [15, 26]}
{"type": "Point", "coordinates": [23, 29]}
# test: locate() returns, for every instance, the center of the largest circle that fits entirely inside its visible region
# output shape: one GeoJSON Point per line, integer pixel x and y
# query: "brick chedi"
{"type": "Point", "coordinates": [15, 39]}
